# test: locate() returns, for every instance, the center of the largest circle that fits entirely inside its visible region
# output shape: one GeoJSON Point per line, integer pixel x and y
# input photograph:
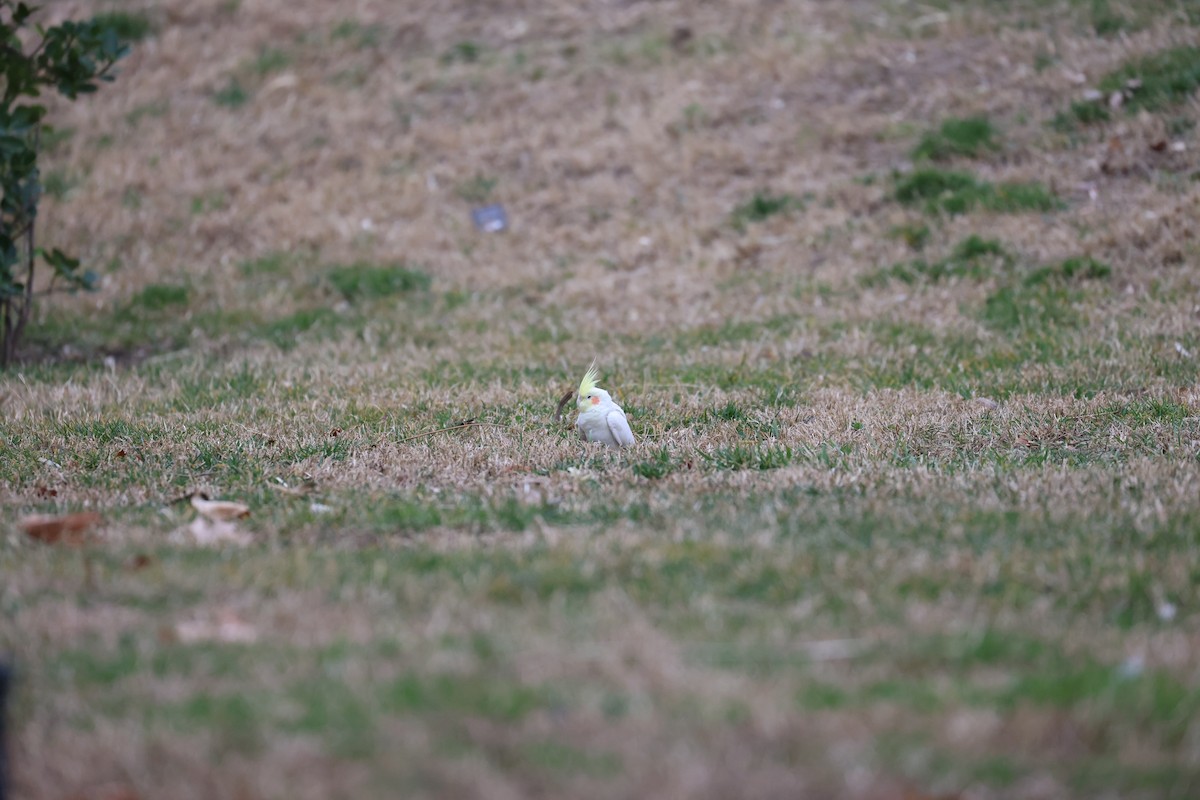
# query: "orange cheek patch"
{"type": "Point", "coordinates": [595, 401]}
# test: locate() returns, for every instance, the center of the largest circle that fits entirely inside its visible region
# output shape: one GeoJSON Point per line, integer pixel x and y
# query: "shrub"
{"type": "Point", "coordinates": [72, 58]}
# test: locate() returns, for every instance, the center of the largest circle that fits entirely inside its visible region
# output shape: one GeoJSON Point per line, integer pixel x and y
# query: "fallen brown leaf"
{"type": "Point", "coordinates": [220, 510]}
{"type": "Point", "coordinates": [681, 36]}
{"type": "Point", "coordinates": [210, 532]}
{"type": "Point", "coordinates": [140, 561]}
{"type": "Point", "coordinates": [69, 529]}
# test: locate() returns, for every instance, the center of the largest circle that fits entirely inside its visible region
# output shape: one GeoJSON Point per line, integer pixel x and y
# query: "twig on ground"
{"type": "Point", "coordinates": [467, 423]}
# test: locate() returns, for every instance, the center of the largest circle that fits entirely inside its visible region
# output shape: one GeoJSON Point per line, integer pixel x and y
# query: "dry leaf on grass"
{"type": "Point", "coordinates": [220, 510]}
{"type": "Point", "coordinates": [69, 529]}
{"type": "Point", "coordinates": [209, 532]}
{"type": "Point", "coordinates": [138, 562]}
{"type": "Point", "coordinates": [215, 523]}
{"type": "Point", "coordinates": [226, 627]}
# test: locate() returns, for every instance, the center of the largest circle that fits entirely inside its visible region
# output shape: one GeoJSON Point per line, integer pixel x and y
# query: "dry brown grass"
{"type": "Point", "coordinates": [966, 567]}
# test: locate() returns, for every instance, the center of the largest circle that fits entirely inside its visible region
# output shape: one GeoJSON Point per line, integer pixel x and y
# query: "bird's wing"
{"type": "Point", "coordinates": [593, 427]}
{"type": "Point", "coordinates": [618, 426]}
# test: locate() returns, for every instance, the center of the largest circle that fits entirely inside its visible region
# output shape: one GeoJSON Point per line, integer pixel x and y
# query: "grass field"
{"type": "Point", "coordinates": [902, 299]}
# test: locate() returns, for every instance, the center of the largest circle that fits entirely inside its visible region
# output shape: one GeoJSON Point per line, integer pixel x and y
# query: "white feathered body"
{"type": "Point", "coordinates": [602, 420]}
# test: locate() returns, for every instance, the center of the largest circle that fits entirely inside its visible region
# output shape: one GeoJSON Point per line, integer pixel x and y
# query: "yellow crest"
{"type": "Point", "coordinates": [589, 381]}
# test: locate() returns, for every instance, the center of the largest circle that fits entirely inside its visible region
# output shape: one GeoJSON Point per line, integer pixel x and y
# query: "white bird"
{"type": "Point", "coordinates": [600, 419]}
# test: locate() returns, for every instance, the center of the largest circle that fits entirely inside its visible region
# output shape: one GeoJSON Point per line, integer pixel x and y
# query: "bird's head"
{"type": "Point", "coordinates": [589, 393]}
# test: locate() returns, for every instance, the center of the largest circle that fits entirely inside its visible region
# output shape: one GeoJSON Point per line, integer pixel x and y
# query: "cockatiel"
{"type": "Point", "coordinates": [600, 419]}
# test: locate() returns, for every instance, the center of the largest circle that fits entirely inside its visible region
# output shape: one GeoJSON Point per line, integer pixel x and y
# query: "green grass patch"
{"type": "Point", "coordinates": [975, 246]}
{"type": "Point", "coordinates": [149, 323]}
{"type": "Point", "coordinates": [286, 331]}
{"type": "Point", "coordinates": [160, 296]}
{"type": "Point", "coordinates": [1150, 411]}
{"type": "Point", "coordinates": [477, 190]}
{"type": "Point", "coordinates": [1155, 82]}
{"type": "Point", "coordinates": [1108, 21]}
{"type": "Point", "coordinates": [1051, 358]}
{"type": "Point", "coordinates": [973, 258]}
{"type": "Point", "coordinates": [415, 514]}
{"type": "Point", "coordinates": [362, 35]}
{"type": "Point", "coordinates": [232, 95]}
{"type": "Point", "coordinates": [730, 412]}
{"type": "Point", "coordinates": [153, 110]}
{"type": "Point", "coordinates": [915, 236]}
{"type": "Point", "coordinates": [129, 26]}
{"type": "Point", "coordinates": [558, 757]}
{"type": "Point", "coordinates": [658, 466]}
{"type": "Point", "coordinates": [58, 183]}
{"type": "Point", "coordinates": [1081, 113]}
{"type": "Point", "coordinates": [215, 200]}
{"type": "Point", "coordinates": [1072, 269]}
{"type": "Point", "coordinates": [474, 695]}
{"type": "Point", "coordinates": [733, 331]}
{"type": "Point", "coordinates": [749, 457]}
{"type": "Point", "coordinates": [1168, 78]}
{"type": "Point", "coordinates": [1014, 198]}
{"type": "Point", "coordinates": [271, 59]}
{"type": "Point", "coordinates": [105, 431]}
{"type": "Point", "coordinates": [969, 137]}
{"type": "Point", "coordinates": [941, 191]}
{"type": "Point", "coordinates": [1150, 699]}
{"type": "Point", "coordinates": [90, 668]}
{"type": "Point", "coordinates": [464, 52]}
{"type": "Point", "coordinates": [763, 206]}
{"type": "Point", "coordinates": [368, 281]}
{"type": "Point", "coordinates": [52, 138]}
{"type": "Point", "coordinates": [343, 717]}
{"type": "Point", "coordinates": [933, 674]}
{"type": "Point", "coordinates": [934, 185]}
{"type": "Point", "coordinates": [276, 263]}
{"type": "Point", "coordinates": [1030, 307]}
